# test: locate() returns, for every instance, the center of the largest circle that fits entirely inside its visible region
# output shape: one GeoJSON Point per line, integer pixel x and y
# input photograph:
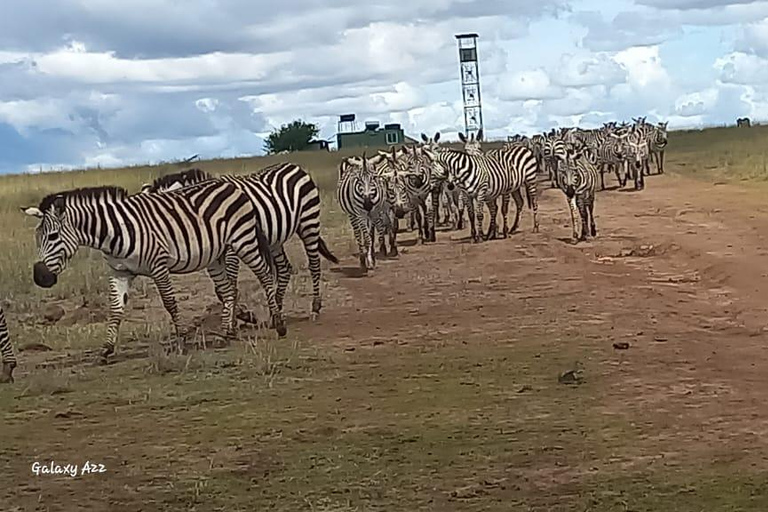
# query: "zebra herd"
{"type": "Point", "coordinates": [376, 191]}
{"type": "Point", "coordinates": [190, 221]}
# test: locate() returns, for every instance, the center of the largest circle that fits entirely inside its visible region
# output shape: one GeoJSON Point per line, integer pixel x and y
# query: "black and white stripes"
{"type": "Point", "coordinates": [155, 235]}
{"type": "Point", "coordinates": [6, 350]}
{"type": "Point", "coordinates": [286, 202]}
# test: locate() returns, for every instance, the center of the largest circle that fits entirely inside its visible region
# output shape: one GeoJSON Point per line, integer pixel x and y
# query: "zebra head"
{"type": "Point", "coordinates": [472, 144]}
{"type": "Point", "coordinates": [55, 237]}
{"type": "Point", "coordinates": [569, 177]}
{"type": "Point", "coordinates": [660, 135]}
{"type": "Point", "coordinates": [367, 184]}
{"type": "Point", "coordinates": [431, 142]}
{"type": "Point", "coordinates": [394, 176]}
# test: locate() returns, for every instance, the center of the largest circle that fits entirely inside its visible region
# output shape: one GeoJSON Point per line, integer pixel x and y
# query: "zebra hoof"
{"type": "Point", "coordinates": [313, 316]}
{"type": "Point", "coordinates": [279, 326]}
{"type": "Point", "coordinates": [6, 377]}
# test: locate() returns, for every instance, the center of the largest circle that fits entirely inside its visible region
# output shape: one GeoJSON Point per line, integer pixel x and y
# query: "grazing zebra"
{"type": "Point", "coordinates": [155, 235]}
{"type": "Point", "coordinates": [286, 202]}
{"type": "Point", "coordinates": [743, 122]}
{"type": "Point", "coordinates": [578, 180]}
{"type": "Point", "coordinates": [6, 350]}
{"type": "Point", "coordinates": [487, 176]}
{"type": "Point", "coordinates": [362, 195]}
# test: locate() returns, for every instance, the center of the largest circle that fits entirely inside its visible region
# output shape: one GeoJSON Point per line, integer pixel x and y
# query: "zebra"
{"type": "Point", "coordinates": [486, 176]}
{"type": "Point", "coordinates": [362, 195]}
{"type": "Point", "coordinates": [553, 151]}
{"type": "Point", "coordinates": [155, 235]}
{"type": "Point", "coordinates": [412, 173]}
{"type": "Point", "coordinates": [657, 143]}
{"type": "Point", "coordinates": [454, 200]}
{"type": "Point", "coordinates": [287, 202]}
{"type": "Point", "coordinates": [611, 155]}
{"type": "Point", "coordinates": [635, 147]}
{"type": "Point", "coordinates": [6, 350]}
{"type": "Point", "coordinates": [578, 181]}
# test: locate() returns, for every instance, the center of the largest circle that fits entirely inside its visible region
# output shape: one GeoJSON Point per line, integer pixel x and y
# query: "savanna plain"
{"type": "Point", "coordinates": [457, 376]}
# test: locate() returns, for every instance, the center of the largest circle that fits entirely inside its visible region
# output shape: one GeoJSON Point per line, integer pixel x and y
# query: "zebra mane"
{"type": "Point", "coordinates": [108, 192]}
{"type": "Point", "coordinates": [188, 177]}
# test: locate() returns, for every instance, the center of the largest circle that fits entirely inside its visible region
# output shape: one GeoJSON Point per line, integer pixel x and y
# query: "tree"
{"type": "Point", "coordinates": [294, 136]}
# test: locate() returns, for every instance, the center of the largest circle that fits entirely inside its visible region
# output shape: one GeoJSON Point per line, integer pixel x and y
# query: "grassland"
{"type": "Point", "coordinates": [430, 385]}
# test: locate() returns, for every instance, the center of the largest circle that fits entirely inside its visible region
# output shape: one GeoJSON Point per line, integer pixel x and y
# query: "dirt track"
{"type": "Point", "coordinates": [679, 271]}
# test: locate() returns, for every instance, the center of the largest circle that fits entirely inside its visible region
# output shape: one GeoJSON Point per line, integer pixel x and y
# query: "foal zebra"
{"type": "Point", "coordinates": [286, 202]}
{"type": "Point", "coordinates": [578, 180]}
{"type": "Point", "coordinates": [155, 235]}
{"type": "Point", "coordinates": [6, 350]}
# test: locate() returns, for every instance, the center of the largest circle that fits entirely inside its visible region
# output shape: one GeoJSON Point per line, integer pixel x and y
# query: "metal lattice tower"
{"type": "Point", "coordinates": [470, 83]}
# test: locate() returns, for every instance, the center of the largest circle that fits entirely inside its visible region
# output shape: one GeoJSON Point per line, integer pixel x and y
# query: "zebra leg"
{"type": "Point", "coordinates": [233, 270]}
{"type": "Point", "coordinates": [413, 221]}
{"type": "Point", "coordinates": [504, 215]}
{"type": "Point", "coordinates": [461, 204]}
{"type": "Point", "coordinates": [119, 285]}
{"type": "Point", "coordinates": [479, 216]}
{"type": "Point", "coordinates": [284, 275]}
{"type": "Point", "coordinates": [660, 167]}
{"type": "Point", "coordinates": [6, 349]}
{"type": "Point", "coordinates": [162, 278]}
{"type": "Point", "coordinates": [602, 176]}
{"type": "Point", "coordinates": [582, 206]}
{"type": "Point", "coordinates": [429, 227]}
{"type": "Point", "coordinates": [360, 230]}
{"type": "Point", "coordinates": [226, 294]}
{"type": "Point", "coordinates": [472, 219]}
{"type": "Point", "coordinates": [493, 211]}
{"type": "Point", "coordinates": [251, 255]}
{"type": "Point", "coordinates": [533, 202]}
{"type": "Point", "coordinates": [312, 247]}
{"type": "Point", "coordinates": [591, 209]}
{"type": "Point", "coordinates": [574, 213]}
{"type": "Point", "coordinates": [518, 197]}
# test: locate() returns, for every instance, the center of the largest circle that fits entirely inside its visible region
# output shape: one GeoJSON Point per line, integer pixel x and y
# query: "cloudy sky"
{"type": "Point", "coordinates": [107, 82]}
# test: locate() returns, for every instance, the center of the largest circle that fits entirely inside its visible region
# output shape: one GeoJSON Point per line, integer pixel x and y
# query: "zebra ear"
{"type": "Point", "coordinates": [436, 137]}
{"type": "Point", "coordinates": [479, 137]}
{"type": "Point", "coordinates": [424, 137]}
{"type": "Point", "coordinates": [33, 212]}
{"type": "Point", "coordinates": [462, 137]}
{"type": "Point", "coordinates": [59, 205]}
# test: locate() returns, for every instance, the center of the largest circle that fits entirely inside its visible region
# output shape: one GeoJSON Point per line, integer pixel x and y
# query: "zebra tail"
{"type": "Point", "coordinates": [326, 253]}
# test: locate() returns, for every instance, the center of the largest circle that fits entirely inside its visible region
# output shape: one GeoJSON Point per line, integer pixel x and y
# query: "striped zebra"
{"type": "Point", "coordinates": [362, 195]}
{"type": "Point", "coordinates": [487, 176]}
{"type": "Point", "coordinates": [6, 350]}
{"type": "Point", "coordinates": [578, 180]}
{"type": "Point", "coordinates": [453, 200]}
{"type": "Point", "coordinates": [155, 235]}
{"type": "Point", "coordinates": [411, 171]}
{"type": "Point", "coordinates": [657, 144]}
{"type": "Point", "coordinates": [286, 202]}
{"type": "Point", "coordinates": [611, 156]}
{"type": "Point", "coordinates": [635, 148]}
{"type": "Point", "coordinates": [553, 152]}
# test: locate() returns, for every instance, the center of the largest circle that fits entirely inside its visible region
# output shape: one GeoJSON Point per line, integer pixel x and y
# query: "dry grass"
{"type": "Point", "coordinates": [296, 426]}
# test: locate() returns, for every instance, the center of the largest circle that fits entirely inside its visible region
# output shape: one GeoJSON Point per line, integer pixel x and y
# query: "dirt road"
{"type": "Point", "coordinates": [432, 383]}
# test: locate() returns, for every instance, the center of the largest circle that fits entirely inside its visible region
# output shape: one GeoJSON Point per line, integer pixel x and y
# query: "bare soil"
{"type": "Point", "coordinates": [625, 373]}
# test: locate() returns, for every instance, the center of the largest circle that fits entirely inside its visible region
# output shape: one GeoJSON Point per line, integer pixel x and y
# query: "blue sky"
{"type": "Point", "coordinates": [99, 82]}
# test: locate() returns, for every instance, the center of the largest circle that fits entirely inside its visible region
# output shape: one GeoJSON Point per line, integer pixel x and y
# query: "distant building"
{"type": "Point", "coordinates": [372, 136]}
{"type": "Point", "coordinates": [317, 145]}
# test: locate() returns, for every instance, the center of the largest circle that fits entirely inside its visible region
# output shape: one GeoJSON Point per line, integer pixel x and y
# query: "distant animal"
{"type": "Point", "coordinates": [743, 122]}
{"type": "Point", "coordinates": [6, 350]}
{"type": "Point", "coordinates": [155, 235]}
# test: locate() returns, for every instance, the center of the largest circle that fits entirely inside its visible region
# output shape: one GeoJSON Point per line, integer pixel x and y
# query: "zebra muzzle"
{"type": "Point", "coordinates": [451, 186]}
{"type": "Point", "coordinates": [43, 277]}
{"type": "Point", "coordinates": [367, 204]}
{"type": "Point", "coordinates": [399, 212]}
{"type": "Point", "coordinates": [570, 192]}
